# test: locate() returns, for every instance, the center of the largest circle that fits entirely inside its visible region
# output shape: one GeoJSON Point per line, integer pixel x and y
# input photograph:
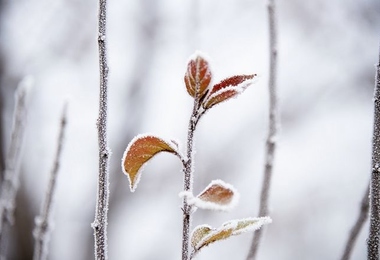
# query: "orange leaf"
{"type": "Point", "coordinates": [141, 149]}
{"type": "Point", "coordinates": [218, 195]}
{"type": "Point", "coordinates": [198, 76]}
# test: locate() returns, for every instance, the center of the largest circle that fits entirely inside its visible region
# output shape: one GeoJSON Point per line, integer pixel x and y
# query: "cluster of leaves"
{"type": "Point", "coordinates": [218, 195]}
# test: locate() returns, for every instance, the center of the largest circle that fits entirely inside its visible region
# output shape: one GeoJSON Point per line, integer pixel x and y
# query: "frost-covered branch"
{"type": "Point", "coordinates": [373, 239]}
{"type": "Point", "coordinates": [43, 221]}
{"type": "Point", "coordinates": [273, 125]}
{"type": "Point", "coordinates": [363, 215]}
{"type": "Point", "coordinates": [188, 182]}
{"type": "Point", "coordinates": [10, 184]}
{"type": "Point", "coordinates": [100, 223]}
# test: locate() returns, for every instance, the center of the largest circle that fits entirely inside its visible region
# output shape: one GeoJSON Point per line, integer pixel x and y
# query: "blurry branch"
{"type": "Point", "coordinates": [100, 223]}
{"type": "Point", "coordinates": [10, 184]}
{"type": "Point", "coordinates": [273, 125]}
{"type": "Point", "coordinates": [363, 215]}
{"type": "Point", "coordinates": [373, 239]}
{"type": "Point", "coordinates": [43, 221]}
{"type": "Point", "coordinates": [2, 159]}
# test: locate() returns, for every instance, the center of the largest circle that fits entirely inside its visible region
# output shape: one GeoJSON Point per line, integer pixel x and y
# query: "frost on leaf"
{"type": "Point", "coordinates": [218, 195]}
{"type": "Point", "coordinates": [141, 149]}
{"type": "Point", "coordinates": [228, 88]}
{"type": "Point", "coordinates": [204, 235]}
{"type": "Point", "coordinates": [199, 233]}
{"type": "Point", "coordinates": [198, 76]}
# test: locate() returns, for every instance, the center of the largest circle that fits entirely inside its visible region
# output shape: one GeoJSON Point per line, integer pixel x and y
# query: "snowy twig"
{"type": "Point", "coordinates": [100, 223]}
{"type": "Point", "coordinates": [273, 125]}
{"type": "Point", "coordinates": [10, 184]}
{"type": "Point", "coordinates": [373, 239]}
{"type": "Point", "coordinates": [363, 215]}
{"type": "Point", "coordinates": [43, 221]}
{"type": "Point", "coordinates": [188, 181]}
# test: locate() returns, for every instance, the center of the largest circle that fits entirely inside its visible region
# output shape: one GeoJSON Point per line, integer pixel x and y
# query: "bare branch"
{"type": "Point", "coordinates": [363, 215]}
{"type": "Point", "coordinates": [43, 221]}
{"type": "Point", "coordinates": [273, 125]}
{"type": "Point", "coordinates": [373, 239]}
{"type": "Point", "coordinates": [101, 215]}
{"type": "Point", "coordinates": [10, 184]}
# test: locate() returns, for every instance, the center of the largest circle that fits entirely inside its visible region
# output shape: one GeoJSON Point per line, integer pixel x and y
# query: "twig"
{"type": "Point", "coordinates": [10, 184]}
{"type": "Point", "coordinates": [100, 223]}
{"type": "Point", "coordinates": [273, 125]}
{"type": "Point", "coordinates": [363, 215]}
{"type": "Point", "coordinates": [188, 181]}
{"type": "Point", "coordinates": [373, 239]}
{"type": "Point", "coordinates": [43, 221]}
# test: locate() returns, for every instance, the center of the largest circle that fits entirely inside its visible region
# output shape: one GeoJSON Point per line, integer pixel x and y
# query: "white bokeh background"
{"type": "Point", "coordinates": [327, 52]}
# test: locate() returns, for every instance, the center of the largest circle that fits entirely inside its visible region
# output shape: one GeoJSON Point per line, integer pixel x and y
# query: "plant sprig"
{"type": "Point", "coordinates": [218, 195]}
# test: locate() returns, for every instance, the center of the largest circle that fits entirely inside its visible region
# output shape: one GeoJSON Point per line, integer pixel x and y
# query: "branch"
{"type": "Point", "coordinates": [363, 215]}
{"type": "Point", "coordinates": [43, 221]}
{"type": "Point", "coordinates": [10, 184]}
{"type": "Point", "coordinates": [100, 223]}
{"type": "Point", "coordinates": [273, 125]}
{"type": "Point", "coordinates": [188, 181]}
{"type": "Point", "coordinates": [373, 239]}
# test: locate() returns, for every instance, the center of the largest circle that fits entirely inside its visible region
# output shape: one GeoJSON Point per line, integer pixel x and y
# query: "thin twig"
{"type": "Point", "coordinates": [273, 125]}
{"type": "Point", "coordinates": [43, 221]}
{"type": "Point", "coordinates": [373, 239]}
{"type": "Point", "coordinates": [363, 215]}
{"type": "Point", "coordinates": [100, 223]}
{"type": "Point", "coordinates": [188, 181]}
{"type": "Point", "coordinates": [10, 184]}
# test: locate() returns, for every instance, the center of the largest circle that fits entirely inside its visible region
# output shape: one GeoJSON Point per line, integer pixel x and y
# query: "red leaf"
{"type": "Point", "coordinates": [220, 96]}
{"type": "Point", "coordinates": [198, 76]}
{"type": "Point", "coordinates": [232, 82]}
{"type": "Point", "coordinates": [227, 89]}
{"type": "Point", "coordinates": [139, 151]}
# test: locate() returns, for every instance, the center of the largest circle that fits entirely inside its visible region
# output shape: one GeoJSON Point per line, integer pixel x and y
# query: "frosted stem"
{"type": "Point", "coordinates": [100, 223]}
{"type": "Point", "coordinates": [10, 184]}
{"type": "Point", "coordinates": [188, 181]}
{"type": "Point", "coordinates": [43, 221]}
{"type": "Point", "coordinates": [363, 215]}
{"type": "Point", "coordinates": [373, 239]}
{"type": "Point", "coordinates": [273, 125]}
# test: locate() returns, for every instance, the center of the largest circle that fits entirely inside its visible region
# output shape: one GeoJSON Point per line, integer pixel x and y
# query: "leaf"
{"type": "Point", "coordinates": [218, 195]}
{"type": "Point", "coordinates": [199, 233]}
{"type": "Point", "coordinates": [249, 224]}
{"type": "Point", "coordinates": [228, 88]}
{"type": "Point", "coordinates": [204, 235]}
{"type": "Point", "coordinates": [140, 150]}
{"type": "Point", "coordinates": [198, 76]}
{"type": "Point", "coordinates": [212, 236]}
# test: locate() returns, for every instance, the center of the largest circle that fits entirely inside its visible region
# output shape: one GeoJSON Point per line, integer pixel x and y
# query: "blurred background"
{"type": "Point", "coordinates": [327, 52]}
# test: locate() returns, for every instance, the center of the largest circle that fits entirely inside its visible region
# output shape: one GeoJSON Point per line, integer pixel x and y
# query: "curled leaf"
{"type": "Point", "coordinates": [204, 235]}
{"type": "Point", "coordinates": [140, 150]}
{"type": "Point", "coordinates": [199, 233]}
{"type": "Point", "coordinates": [198, 76]}
{"type": "Point", "coordinates": [228, 88]}
{"type": "Point", "coordinates": [218, 195]}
